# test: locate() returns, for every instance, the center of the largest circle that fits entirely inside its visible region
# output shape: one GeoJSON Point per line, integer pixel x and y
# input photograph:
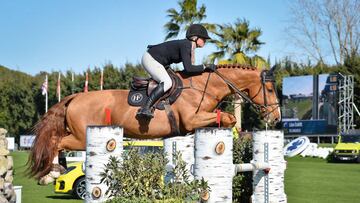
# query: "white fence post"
{"type": "Point", "coordinates": [184, 145]}
{"type": "Point", "coordinates": [214, 162]}
{"type": "Point", "coordinates": [101, 143]}
{"type": "Point", "coordinates": [268, 148]}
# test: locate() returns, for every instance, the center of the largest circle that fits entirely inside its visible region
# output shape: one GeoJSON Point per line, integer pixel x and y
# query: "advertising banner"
{"type": "Point", "coordinates": [26, 141]}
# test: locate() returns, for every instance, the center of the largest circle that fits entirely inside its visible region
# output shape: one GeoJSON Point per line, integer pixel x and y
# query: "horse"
{"type": "Point", "coordinates": [63, 127]}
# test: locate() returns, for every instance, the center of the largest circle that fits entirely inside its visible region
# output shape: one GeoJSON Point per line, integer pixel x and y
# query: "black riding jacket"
{"type": "Point", "coordinates": [175, 51]}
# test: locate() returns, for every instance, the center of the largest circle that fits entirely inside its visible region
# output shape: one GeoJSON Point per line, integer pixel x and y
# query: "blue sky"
{"type": "Point", "coordinates": [302, 84]}
{"type": "Point", "coordinates": [59, 35]}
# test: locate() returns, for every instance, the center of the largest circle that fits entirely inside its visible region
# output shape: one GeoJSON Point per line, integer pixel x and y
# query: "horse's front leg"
{"type": "Point", "coordinates": [203, 119]}
{"type": "Point", "coordinates": [227, 120]}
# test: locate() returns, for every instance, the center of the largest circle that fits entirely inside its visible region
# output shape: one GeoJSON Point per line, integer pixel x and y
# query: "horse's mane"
{"type": "Point", "coordinates": [184, 75]}
{"type": "Point", "coordinates": [236, 65]}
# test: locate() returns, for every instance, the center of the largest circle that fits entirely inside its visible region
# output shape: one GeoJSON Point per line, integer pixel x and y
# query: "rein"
{"type": "Point", "coordinates": [202, 98]}
{"type": "Point", "coordinates": [257, 106]}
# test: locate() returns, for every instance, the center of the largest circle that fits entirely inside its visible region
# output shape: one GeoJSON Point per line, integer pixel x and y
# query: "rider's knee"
{"type": "Point", "coordinates": [167, 84]}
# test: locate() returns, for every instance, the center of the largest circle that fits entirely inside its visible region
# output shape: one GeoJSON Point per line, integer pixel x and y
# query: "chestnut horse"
{"type": "Point", "coordinates": [63, 127]}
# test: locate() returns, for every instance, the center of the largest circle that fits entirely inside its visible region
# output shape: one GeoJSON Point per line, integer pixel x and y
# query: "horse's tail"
{"type": "Point", "coordinates": [49, 131]}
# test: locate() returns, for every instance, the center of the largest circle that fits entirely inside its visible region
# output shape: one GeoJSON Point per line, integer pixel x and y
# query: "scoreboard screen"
{"type": "Point", "coordinates": [309, 104]}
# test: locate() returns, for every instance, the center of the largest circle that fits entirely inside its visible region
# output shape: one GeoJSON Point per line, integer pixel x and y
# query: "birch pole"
{"type": "Point", "coordinates": [214, 163]}
{"type": "Point", "coordinates": [183, 145]}
{"type": "Point", "coordinates": [101, 143]}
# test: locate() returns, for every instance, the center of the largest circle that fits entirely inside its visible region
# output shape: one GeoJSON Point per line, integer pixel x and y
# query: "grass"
{"type": "Point", "coordinates": [313, 180]}
{"type": "Point", "coordinates": [307, 180]}
{"type": "Point", "coordinates": [31, 192]}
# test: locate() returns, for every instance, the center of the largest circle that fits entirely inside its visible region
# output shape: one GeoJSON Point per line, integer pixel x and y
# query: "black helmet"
{"type": "Point", "coordinates": [197, 30]}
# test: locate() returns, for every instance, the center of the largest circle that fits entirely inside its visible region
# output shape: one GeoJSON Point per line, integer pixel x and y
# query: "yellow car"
{"type": "Point", "coordinates": [73, 180]}
{"type": "Point", "coordinates": [348, 147]}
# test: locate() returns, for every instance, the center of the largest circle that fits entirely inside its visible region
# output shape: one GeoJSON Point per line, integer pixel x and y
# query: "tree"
{"type": "Point", "coordinates": [237, 41]}
{"type": "Point", "coordinates": [18, 112]}
{"type": "Point", "coordinates": [180, 20]}
{"type": "Point", "coordinates": [129, 71]}
{"type": "Point", "coordinates": [325, 27]}
{"type": "Point", "coordinates": [21, 101]}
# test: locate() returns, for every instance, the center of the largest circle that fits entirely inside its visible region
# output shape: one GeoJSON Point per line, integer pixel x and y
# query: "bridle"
{"type": "Point", "coordinates": [266, 76]}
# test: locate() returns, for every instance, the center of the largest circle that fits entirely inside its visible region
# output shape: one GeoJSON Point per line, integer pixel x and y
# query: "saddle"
{"type": "Point", "coordinates": [140, 89]}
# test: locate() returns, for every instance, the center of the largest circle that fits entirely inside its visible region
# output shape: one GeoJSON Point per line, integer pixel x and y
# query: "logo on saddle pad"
{"type": "Point", "coordinates": [140, 89]}
{"type": "Point", "coordinates": [136, 98]}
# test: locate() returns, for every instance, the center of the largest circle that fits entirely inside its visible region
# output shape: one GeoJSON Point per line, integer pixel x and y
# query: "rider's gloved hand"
{"type": "Point", "coordinates": [210, 67]}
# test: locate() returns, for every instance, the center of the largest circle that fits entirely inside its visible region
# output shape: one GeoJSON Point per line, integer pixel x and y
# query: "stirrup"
{"type": "Point", "coordinates": [145, 112]}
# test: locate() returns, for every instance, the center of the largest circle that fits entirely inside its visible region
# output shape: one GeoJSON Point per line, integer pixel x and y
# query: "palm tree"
{"type": "Point", "coordinates": [236, 42]}
{"type": "Point", "coordinates": [180, 20]}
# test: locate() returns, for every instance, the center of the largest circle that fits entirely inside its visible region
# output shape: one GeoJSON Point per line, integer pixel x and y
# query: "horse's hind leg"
{"type": "Point", "coordinates": [72, 143]}
{"type": "Point", "coordinates": [55, 172]}
{"type": "Point", "coordinates": [69, 142]}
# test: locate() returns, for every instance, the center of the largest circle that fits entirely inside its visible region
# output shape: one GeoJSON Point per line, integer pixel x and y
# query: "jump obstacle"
{"type": "Point", "coordinates": [212, 160]}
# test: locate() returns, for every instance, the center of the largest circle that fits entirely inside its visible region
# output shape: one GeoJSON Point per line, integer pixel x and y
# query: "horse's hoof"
{"type": "Point", "coordinates": [229, 121]}
{"type": "Point", "coordinates": [233, 121]}
{"type": "Point", "coordinates": [57, 168]}
{"type": "Point", "coordinates": [45, 180]}
{"type": "Point", "coordinates": [54, 174]}
{"type": "Point", "coordinates": [49, 178]}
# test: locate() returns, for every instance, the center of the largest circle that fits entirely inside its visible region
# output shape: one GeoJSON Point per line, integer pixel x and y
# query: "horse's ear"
{"type": "Point", "coordinates": [272, 70]}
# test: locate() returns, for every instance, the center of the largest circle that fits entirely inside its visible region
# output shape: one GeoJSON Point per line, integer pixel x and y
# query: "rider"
{"type": "Point", "coordinates": [158, 57]}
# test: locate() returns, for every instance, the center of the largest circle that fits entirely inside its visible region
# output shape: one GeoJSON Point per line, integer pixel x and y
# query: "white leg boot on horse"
{"type": "Point", "coordinates": [55, 172]}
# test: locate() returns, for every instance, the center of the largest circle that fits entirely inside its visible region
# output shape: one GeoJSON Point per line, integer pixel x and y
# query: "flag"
{"type": "Point", "coordinates": [58, 89]}
{"type": "Point", "coordinates": [102, 79]}
{"type": "Point", "coordinates": [72, 82]}
{"type": "Point", "coordinates": [44, 87]}
{"type": "Point", "coordinates": [86, 83]}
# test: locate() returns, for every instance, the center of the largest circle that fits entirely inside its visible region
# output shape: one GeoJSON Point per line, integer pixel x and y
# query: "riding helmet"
{"type": "Point", "coordinates": [197, 30]}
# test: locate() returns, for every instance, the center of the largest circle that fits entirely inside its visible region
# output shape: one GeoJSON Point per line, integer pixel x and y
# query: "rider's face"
{"type": "Point", "coordinates": [200, 42]}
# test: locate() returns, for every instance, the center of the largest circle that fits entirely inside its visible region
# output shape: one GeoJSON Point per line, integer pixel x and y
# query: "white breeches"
{"type": "Point", "coordinates": [156, 70]}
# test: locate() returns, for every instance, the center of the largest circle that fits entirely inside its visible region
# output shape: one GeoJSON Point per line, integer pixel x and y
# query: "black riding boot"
{"type": "Point", "coordinates": [154, 96]}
